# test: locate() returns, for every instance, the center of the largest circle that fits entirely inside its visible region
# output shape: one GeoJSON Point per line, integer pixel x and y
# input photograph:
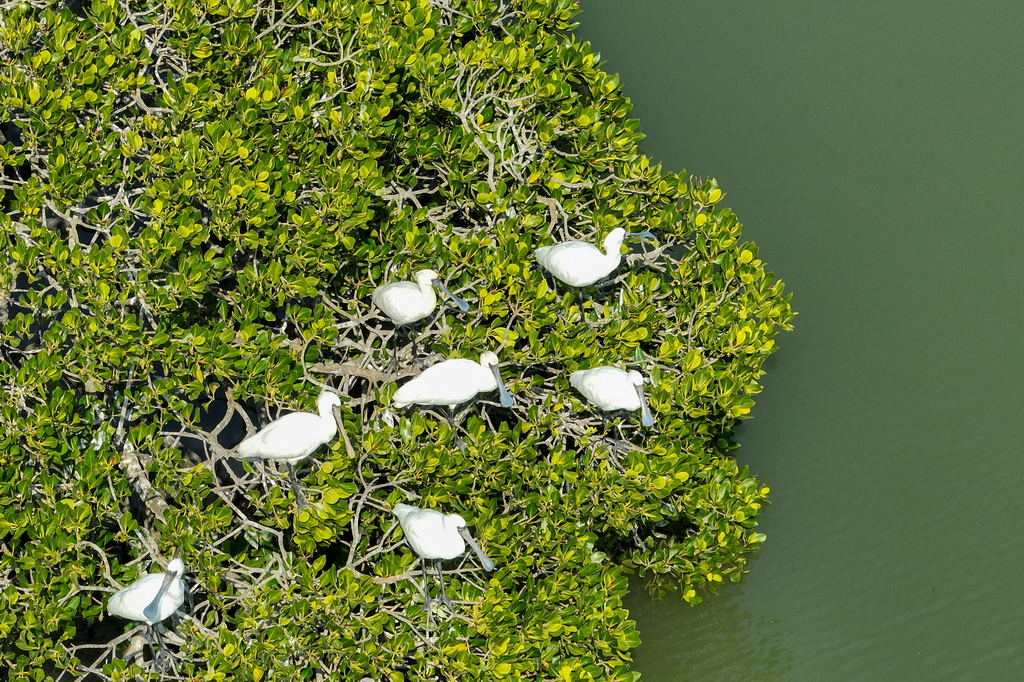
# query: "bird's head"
{"type": "Point", "coordinates": [489, 360]}
{"type": "Point", "coordinates": [427, 277]}
{"type": "Point", "coordinates": [614, 240]}
{"type": "Point", "coordinates": [328, 399]}
{"type": "Point", "coordinates": [637, 380]}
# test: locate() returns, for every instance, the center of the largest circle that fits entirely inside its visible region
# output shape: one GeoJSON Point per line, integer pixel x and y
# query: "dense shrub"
{"type": "Point", "coordinates": [199, 197]}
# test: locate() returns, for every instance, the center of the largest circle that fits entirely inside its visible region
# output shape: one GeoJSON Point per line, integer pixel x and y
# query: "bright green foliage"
{"type": "Point", "coordinates": [199, 198]}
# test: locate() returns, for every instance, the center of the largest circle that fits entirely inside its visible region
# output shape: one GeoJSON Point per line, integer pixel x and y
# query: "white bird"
{"type": "Point", "coordinates": [407, 302]}
{"type": "Point", "coordinates": [611, 388]}
{"type": "Point", "coordinates": [434, 537]}
{"type": "Point", "coordinates": [294, 437]}
{"type": "Point", "coordinates": [153, 597]}
{"type": "Point", "coordinates": [580, 264]}
{"type": "Point", "coordinates": [453, 382]}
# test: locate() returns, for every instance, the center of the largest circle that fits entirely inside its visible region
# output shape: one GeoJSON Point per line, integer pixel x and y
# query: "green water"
{"type": "Point", "coordinates": [874, 151]}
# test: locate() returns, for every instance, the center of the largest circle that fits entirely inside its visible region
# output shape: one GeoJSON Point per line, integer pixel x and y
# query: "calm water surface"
{"type": "Point", "coordinates": [874, 151]}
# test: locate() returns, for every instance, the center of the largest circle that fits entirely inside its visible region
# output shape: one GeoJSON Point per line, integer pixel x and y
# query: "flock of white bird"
{"type": "Point", "coordinates": [433, 536]}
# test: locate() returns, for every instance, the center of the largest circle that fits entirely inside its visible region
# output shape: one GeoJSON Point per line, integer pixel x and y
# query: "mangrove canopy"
{"type": "Point", "coordinates": [199, 197]}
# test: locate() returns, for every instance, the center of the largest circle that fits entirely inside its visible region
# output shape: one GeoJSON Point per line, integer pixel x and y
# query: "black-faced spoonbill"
{"type": "Point", "coordinates": [151, 599]}
{"type": "Point", "coordinates": [406, 303]}
{"type": "Point", "coordinates": [435, 537]}
{"type": "Point", "coordinates": [293, 437]}
{"type": "Point", "coordinates": [453, 382]}
{"type": "Point", "coordinates": [580, 264]}
{"type": "Point", "coordinates": [611, 388]}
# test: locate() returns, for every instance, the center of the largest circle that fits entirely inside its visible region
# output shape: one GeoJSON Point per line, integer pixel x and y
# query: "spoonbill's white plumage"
{"type": "Point", "coordinates": [434, 537]}
{"type": "Point", "coordinates": [453, 382]}
{"type": "Point", "coordinates": [153, 597]}
{"type": "Point", "coordinates": [294, 437]}
{"type": "Point", "coordinates": [580, 264]}
{"type": "Point", "coordinates": [407, 302]}
{"type": "Point", "coordinates": [611, 388]}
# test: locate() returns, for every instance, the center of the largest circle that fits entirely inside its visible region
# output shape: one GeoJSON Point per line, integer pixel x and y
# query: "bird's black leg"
{"type": "Point", "coordinates": [616, 446]}
{"type": "Point", "coordinates": [156, 645]}
{"type": "Point", "coordinates": [581, 299]}
{"type": "Point", "coordinates": [396, 340]}
{"type": "Point", "coordinates": [300, 496]}
{"type": "Point", "coordinates": [426, 586]}
{"type": "Point", "coordinates": [444, 597]}
{"type": "Point", "coordinates": [608, 436]}
{"type": "Point", "coordinates": [151, 639]}
{"type": "Point", "coordinates": [415, 347]}
{"type": "Point", "coordinates": [451, 423]}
